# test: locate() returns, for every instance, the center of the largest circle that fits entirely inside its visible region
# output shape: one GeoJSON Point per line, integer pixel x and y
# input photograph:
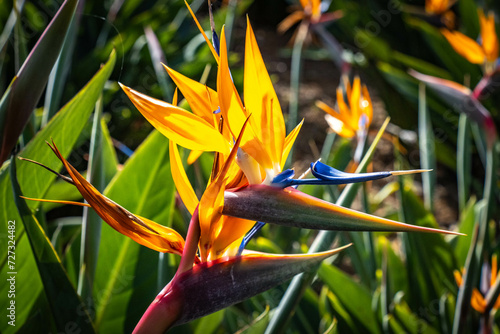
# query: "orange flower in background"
{"type": "Point", "coordinates": [308, 12]}
{"type": "Point", "coordinates": [478, 301]}
{"type": "Point", "coordinates": [355, 116]}
{"type": "Point", "coordinates": [485, 52]}
{"type": "Point", "coordinates": [438, 7]}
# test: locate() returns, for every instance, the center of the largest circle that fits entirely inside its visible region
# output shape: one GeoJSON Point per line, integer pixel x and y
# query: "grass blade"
{"type": "Point", "coordinates": [464, 160]}
{"type": "Point", "coordinates": [295, 69]}
{"type": "Point", "coordinates": [102, 165]}
{"type": "Point", "coordinates": [157, 58]}
{"type": "Point", "coordinates": [427, 149]}
{"type": "Point", "coordinates": [57, 78]}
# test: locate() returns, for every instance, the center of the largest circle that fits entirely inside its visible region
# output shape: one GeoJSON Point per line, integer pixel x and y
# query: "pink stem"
{"type": "Point", "coordinates": [191, 246]}
{"type": "Point", "coordinates": [166, 308]}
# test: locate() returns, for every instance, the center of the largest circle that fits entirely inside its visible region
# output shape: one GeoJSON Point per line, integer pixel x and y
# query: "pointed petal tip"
{"type": "Point", "coordinates": [412, 171]}
{"type": "Point", "coordinates": [436, 230]}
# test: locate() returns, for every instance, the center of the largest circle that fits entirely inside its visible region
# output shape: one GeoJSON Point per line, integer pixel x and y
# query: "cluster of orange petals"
{"type": "Point", "coordinates": [263, 150]}
{"type": "Point", "coordinates": [478, 302]}
{"type": "Point", "coordinates": [438, 6]}
{"type": "Point", "coordinates": [474, 52]}
{"type": "Point", "coordinates": [352, 117]}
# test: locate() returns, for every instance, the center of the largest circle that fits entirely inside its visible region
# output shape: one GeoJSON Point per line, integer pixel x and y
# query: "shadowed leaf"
{"type": "Point", "coordinates": [27, 87]}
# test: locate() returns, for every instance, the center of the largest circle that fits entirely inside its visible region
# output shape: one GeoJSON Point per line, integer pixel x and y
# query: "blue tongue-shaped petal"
{"type": "Point", "coordinates": [283, 178]}
{"type": "Point", "coordinates": [334, 176]}
{"type": "Point", "coordinates": [325, 174]}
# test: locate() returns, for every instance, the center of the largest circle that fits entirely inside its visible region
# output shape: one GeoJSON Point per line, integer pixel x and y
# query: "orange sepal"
{"type": "Point", "coordinates": [139, 229]}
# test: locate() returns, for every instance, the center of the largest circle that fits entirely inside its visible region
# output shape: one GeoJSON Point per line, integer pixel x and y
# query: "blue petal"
{"type": "Point", "coordinates": [283, 178]}
{"type": "Point", "coordinates": [325, 175]}
{"type": "Point", "coordinates": [335, 176]}
{"type": "Point", "coordinates": [256, 228]}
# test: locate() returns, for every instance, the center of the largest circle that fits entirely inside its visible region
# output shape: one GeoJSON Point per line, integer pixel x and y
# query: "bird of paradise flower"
{"type": "Point", "coordinates": [352, 119]}
{"type": "Point", "coordinates": [215, 270]}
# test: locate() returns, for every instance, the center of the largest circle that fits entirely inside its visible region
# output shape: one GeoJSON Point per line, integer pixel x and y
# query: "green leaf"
{"type": "Point", "coordinates": [431, 252]}
{"type": "Point", "coordinates": [466, 225]}
{"type": "Point", "coordinates": [60, 189]}
{"type": "Point", "coordinates": [64, 128]}
{"type": "Point", "coordinates": [456, 64]}
{"type": "Point", "coordinates": [464, 160]}
{"type": "Point", "coordinates": [258, 326]}
{"type": "Point", "coordinates": [472, 270]}
{"type": "Point", "coordinates": [66, 305]}
{"type": "Point", "coordinates": [468, 17]}
{"type": "Point", "coordinates": [210, 323]}
{"type": "Point", "coordinates": [26, 89]}
{"type": "Point", "coordinates": [397, 276]}
{"type": "Point", "coordinates": [10, 23]}
{"type": "Point", "coordinates": [410, 321]}
{"type": "Point", "coordinates": [354, 297]}
{"type": "Point", "coordinates": [420, 65]}
{"type": "Point", "coordinates": [102, 166]}
{"type": "Point", "coordinates": [427, 149]}
{"type": "Point", "coordinates": [125, 281]}
{"type": "Point", "coordinates": [57, 78]}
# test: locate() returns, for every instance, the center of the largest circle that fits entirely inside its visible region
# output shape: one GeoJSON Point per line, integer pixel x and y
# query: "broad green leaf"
{"type": "Point", "coordinates": [26, 89]}
{"type": "Point", "coordinates": [210, 323]}
{"type": "Point", "coordinates": [64, 128]}
{"type": "Point", "coordinates": [355, 298]}
{"type": "Point", "coordinates": [258, 326]}
{"type": "Point", "coordinates": [60, 189]}
{"type": "Point", "coordinates": [65, 304]}
{"type": "Point", "coordinates": [125, 281]}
